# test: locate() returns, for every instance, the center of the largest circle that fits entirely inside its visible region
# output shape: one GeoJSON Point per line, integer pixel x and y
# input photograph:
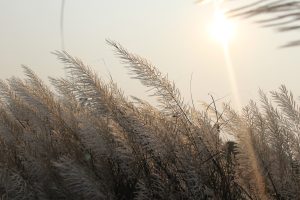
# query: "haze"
{"type": "Point", "coordinates": [173, 35]}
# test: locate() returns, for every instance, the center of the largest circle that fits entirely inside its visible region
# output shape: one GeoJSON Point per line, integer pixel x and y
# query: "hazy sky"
{"type": "Point", "coordinates": [173, 35]}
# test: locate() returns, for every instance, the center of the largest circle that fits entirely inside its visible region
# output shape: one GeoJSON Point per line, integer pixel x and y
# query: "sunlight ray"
{"type": "Point", "coordinates": [223, 30]}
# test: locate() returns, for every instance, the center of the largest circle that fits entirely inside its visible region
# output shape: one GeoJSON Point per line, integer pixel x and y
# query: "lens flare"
{"type": "Point", "coordinates": [232, 78]}
{"type": "Point", "coordinates": [223, 30]}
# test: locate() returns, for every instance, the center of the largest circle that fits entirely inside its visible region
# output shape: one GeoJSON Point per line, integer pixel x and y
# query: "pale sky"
{"type": "Point", "coordinates": [173, 35]}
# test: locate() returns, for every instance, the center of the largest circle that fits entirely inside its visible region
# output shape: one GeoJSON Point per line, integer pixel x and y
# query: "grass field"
{"type": "Point", "coordinates": [86, 140]}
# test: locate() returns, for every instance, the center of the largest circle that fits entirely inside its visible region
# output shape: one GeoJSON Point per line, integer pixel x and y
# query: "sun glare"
{"type": "Point", "coordinates": [222, 28]}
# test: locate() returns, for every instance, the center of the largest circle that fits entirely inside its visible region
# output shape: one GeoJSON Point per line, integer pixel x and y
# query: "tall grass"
{"type": "Point", "coordinates": [86, 140]}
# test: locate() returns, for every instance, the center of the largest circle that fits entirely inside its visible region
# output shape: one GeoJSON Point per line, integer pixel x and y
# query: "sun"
{"type": "Point", "coordinates": [222, 29]}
